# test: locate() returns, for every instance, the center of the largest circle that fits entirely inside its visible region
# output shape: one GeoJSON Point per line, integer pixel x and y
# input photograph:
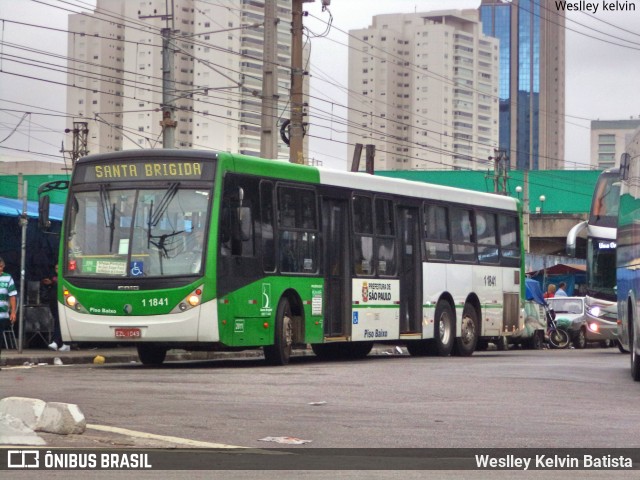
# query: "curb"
{"type": "Point", "coordinates": [115, 356]}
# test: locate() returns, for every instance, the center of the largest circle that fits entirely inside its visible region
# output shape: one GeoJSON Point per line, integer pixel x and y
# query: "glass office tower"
{"type": "Point", "coordinates": [531, 93]}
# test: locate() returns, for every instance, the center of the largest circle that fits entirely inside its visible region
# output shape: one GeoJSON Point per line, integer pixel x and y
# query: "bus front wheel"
{"type": "Point", "coordinates": [280, 352]}
{"type": "Point", "coordinates": [151, 354]}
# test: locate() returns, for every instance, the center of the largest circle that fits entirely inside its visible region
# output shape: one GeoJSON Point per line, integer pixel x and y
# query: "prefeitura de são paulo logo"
{"type": "Point", "coordinates": [365, 292]}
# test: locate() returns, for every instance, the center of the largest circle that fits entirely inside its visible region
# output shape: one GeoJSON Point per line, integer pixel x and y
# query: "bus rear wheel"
{"type": "Point", "coordinates": [151, 354]}
{"type": "Point", "coordinates": [466, 344]}
{"type": "Point", "coordinates": [280, 352]}
{"type": "Point", "coordinates": [444, 329]}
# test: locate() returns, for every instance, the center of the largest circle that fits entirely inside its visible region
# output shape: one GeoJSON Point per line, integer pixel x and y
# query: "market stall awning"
{"type": "Point", "coordinates": [12, 207]}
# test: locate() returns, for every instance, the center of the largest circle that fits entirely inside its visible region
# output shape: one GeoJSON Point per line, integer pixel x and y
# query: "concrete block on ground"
{"type": "Point", "coordinates": [28, 410]}
{"type": "Point", "coordinates": [14, 432]}
{"type": "Point", "coordinates": [61, 418]}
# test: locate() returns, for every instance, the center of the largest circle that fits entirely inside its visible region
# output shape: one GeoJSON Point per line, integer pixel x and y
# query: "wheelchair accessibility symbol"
{"type": "Point", "coordinates": [137, 269]}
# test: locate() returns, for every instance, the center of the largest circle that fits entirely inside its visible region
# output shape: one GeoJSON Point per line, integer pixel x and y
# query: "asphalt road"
{"type": "Point", "coordinates": [518, 398]}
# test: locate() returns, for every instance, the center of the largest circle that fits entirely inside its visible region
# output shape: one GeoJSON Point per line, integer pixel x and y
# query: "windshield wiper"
{"type": "Point", "coordinates": [109, 212]}
{"type": "Point", "coordinates": [164, 204]}
{"type": "Point", "coordinates": [155, 217]}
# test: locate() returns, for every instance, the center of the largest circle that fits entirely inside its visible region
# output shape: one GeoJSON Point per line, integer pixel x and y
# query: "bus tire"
{"type": "Point", "coordinates": [280, 352]}
{"type": "Point", "coordinates": [151, 354]}
{"type": "Point", "coordinates": [444, 329]}
{"type": "Point", "coordinates": [465, 345]}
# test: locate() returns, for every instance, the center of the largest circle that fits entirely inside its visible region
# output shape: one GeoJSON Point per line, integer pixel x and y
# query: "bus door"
{"type": "Point", "coordinates": [410, 270]}
{"type": "Point", "coordinates": [336, 266]}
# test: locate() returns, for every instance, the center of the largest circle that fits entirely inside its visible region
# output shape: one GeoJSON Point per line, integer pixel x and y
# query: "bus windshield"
{"type": "Point", "coordinates": [601, 268]}
{"type": "Point", "coordinates": [131, 232]}
{"type": "Point", "coordinates": [604, 206]}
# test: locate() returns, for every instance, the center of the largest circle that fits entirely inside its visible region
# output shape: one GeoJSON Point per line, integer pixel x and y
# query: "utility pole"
{"type": "Point", "coordinates": [370, 154]}
{"type": "Point", "coordinates": [80, 145]}
{"type": "Point", "coordinates": [268, 136]}
{"type": "Point", "coordinates": [296, 153]}
{"type": "Point", "coordinates": [500, 160]}
{"type": "Point", "coordinates": [168, 122]}
{"type": "Point", "coordinates": [355, 162]}
{"type": "Point", "coordinates": [24, 223]}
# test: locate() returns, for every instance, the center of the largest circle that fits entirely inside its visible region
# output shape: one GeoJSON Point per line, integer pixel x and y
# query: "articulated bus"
{"type": "Point", "coordinates": [628, 255]}
{"type": "Point", "coordinates": [197, 250]}
{"type": "Point", "coordinates": [600, 300]}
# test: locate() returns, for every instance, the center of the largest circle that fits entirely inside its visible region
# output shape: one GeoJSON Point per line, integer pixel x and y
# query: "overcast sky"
{"type": "Point", "coordinates": [602, 79]}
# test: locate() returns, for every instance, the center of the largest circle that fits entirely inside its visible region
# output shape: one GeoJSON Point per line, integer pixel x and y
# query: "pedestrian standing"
{"type": "Point", "coordinates": [8, 306]}
{"type": "Point", "coordinates": [562, 290]}
{"type": "Point", "coordinates": [52, 284]}
{"type": "Point", "coordinates": [551, 291]}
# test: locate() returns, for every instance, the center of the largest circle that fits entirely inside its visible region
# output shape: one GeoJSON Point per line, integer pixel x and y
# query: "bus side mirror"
{"type": "Point", "coordinates": [43, 212]}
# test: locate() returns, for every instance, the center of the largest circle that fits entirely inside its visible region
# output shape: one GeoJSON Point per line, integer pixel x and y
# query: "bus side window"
{"type": "Point", "coordinates": [462, 235]}
{"type": "Point", "coordinates": [266, 213]}
{"type": "Point", "coordinates": [363, 235]}
{"type": "Point", "coordinates": [297, 230]}
{"type": "Point", "coordinates": [237, 217]}
{"type": "Point", "coordinates": [508, 227]}
{"type": "Point", "coordinates": [385, 236]}
{"type": "Point", "coordinates": [436, 232]}
{"type": "Point", "coordinates": [487, 243]}
{"type": "Point", "coordinates": [225, 229]}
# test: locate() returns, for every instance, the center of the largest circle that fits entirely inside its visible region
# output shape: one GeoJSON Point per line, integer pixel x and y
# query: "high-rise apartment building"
{"type": "Point", "coordinates": [532, 80]}
{"type": "Point", "coordinates": [424, 91]}
{"type": "Point", "coordinates": [116, 70]}
{"type": "Point", "coordinates": [609, 139]}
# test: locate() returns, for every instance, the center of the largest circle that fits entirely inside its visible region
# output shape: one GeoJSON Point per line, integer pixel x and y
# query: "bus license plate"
{"type": "Point", "coordinates": [128, 333]}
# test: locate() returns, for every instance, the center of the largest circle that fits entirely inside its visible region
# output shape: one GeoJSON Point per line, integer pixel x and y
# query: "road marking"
{"type": "Point", "coordinates": [152, 436]}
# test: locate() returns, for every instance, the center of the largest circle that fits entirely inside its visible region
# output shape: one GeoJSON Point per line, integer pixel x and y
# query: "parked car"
{"type": "Point", "coordinates": [571, 315]}
{"type": "Point", "coordinates": [602, 321]}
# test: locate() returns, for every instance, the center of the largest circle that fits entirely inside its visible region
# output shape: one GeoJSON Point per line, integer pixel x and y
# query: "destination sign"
{"type": "Point", "coordinates": [146, 169]}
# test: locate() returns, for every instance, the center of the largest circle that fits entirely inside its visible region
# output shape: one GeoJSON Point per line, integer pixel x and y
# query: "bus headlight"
{"type": "Point", "coordinates": [190, 301]}
{"type": "Point", "coordinates": [194, 300]}
{"type": "Point", "coordinates": [71, 301]}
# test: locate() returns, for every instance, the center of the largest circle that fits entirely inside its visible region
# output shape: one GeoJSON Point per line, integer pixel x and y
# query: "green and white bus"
{"type": "Point", "coordinates": [209, 251]}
